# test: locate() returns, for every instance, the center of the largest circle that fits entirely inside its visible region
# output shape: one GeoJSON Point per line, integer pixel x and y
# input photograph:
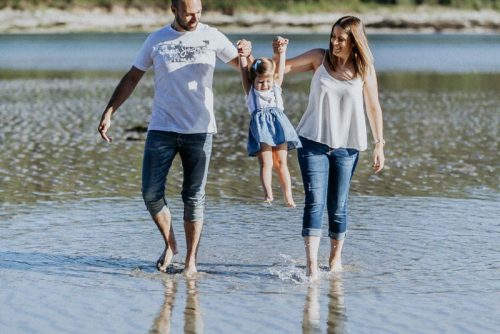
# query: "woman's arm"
{"type": "Point", "coordinates": [308, 61]}
{"type": "Point", "coordinates": [374, 113]}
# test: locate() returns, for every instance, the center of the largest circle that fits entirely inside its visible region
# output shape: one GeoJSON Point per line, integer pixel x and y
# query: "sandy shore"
{"type": "Point", "coordinates": [121, 19]}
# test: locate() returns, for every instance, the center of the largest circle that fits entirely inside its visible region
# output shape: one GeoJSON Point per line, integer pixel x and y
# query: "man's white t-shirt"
{"type": "Point", "coordinates": [183, 64]}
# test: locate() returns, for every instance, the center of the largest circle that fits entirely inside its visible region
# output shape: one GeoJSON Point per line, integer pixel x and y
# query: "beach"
{"type": "Point", "coordinates": [78, 247]}
{"type": "Point", "coordinates": [120, 19]}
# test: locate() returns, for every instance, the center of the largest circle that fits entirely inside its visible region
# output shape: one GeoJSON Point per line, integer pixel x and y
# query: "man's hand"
{"type": "Point", "coordinates": [244, 48]}
{"type": "Point", "coordinates": [104, 126]}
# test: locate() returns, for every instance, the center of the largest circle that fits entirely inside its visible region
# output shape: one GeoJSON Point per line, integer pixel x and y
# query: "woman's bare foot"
{"type": "Point", "coordinates": [335, 265]}
{"type": "Point", "coordinates": [165, 259]}
{"type": "Point", "coordinates": [312, 274]}
{"type": "Point", "coordinates": [335, 260]}
{"type": "Point", "coordinates": [268, 200]}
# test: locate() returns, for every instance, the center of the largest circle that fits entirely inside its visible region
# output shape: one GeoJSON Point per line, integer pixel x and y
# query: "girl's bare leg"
{"type": "Point", "coordinates": [265, 157]}
{"type": "Point", "coordinates": [280, 154]}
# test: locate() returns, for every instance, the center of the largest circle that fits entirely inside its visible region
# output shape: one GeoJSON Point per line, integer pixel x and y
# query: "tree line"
{"type": "Point", "coordinates": [233, 6]}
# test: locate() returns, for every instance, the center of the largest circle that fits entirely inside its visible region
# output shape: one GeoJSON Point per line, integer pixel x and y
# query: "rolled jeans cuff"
{"type": "Point", "coordinates": [155, 207]}
{"type": "Point", "coordinates": [194, 212]}
{"type": "Point", "coordinates": [337, 235]}
{"type": "Point", "coordinates": [311, 232]}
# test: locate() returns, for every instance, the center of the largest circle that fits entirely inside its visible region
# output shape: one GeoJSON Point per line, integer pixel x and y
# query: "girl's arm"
{"type": "Point", "coordinates": [280, 61]}
{"type": "Point", "coordinates": [374, 113]}
{"type": "Point", "coordinates": [244, 74]}
{"type": "Point", "coordinates": [244, 58]}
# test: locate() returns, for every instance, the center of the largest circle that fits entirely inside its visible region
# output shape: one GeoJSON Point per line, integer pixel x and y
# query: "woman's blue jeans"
{"type": "Point", "coordinates": [159, 152]}
{"type": "Point", "coordinates": [326, 174]}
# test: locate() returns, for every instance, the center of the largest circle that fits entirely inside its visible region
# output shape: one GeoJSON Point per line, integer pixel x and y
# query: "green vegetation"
{"type": "Point", "coordinates": [231, 6]}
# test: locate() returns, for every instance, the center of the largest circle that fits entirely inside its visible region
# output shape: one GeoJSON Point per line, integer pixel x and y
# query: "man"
{"type": "Point", "coordinates": [183, 58]}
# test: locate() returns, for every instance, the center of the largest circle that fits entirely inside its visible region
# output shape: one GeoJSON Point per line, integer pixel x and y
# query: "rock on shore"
{"type": "Point", "coordinates": [121, 19]}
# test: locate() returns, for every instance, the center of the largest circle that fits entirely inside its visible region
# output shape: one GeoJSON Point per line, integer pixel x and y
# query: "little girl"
{"type": "Point", "coordinates": [271, 134]}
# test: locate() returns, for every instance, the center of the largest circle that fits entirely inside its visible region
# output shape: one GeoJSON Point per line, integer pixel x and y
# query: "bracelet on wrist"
{"type": "Point", "coordinates": [379, 141]}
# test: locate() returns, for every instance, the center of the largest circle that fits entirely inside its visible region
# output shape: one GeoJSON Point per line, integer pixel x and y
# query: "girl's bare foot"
{"type": "Point", "coordinates": [165, 260]}
{"type": "Point", "coordinates": [289, 202]}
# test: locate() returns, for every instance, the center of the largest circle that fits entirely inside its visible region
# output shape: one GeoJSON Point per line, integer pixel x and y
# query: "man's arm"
{"type": "Point", "coordinates": [122, 92]}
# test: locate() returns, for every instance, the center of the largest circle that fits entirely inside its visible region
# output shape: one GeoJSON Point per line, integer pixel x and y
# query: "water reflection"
{"type": "Point", "coordinates": [337, 315]}
{"type": "Point", "coordinates": [163, 320]}
{"type": "Point", "coordinates": [311, 321]}
{"type": "Point", "coordinates": [336, 308]}
{"type": "Point", "coordinates": [193, 320]}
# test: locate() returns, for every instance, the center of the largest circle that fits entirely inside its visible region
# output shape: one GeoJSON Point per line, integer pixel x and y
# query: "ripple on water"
{"type": "Point", "coordinates": [404, 262]}
{"type": "Point", "coordinates": [440, 142]}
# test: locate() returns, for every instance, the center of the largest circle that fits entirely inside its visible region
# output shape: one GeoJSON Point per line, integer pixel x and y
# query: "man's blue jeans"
{"type": "Point", "coordinates": [327, 175]}
{"type": "Point", "coordinates": [160, 150]}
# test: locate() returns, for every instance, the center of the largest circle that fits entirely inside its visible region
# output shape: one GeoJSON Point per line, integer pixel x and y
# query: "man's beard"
{"type": "Point", "coordinates": [183, 25]}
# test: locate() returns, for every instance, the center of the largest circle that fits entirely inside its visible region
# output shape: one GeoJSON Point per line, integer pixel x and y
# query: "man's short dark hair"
{"type": "Point", "coordinates": [176, 3]}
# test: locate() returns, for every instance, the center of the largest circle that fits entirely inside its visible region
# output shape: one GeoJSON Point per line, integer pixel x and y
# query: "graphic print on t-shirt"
{"type": "Point", "coordinates": [176, 52]}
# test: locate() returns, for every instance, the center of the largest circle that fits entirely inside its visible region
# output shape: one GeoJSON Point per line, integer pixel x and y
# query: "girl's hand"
{"type": "Point", "coordinates": [244, 47]}
{"type": "Point", "coordinates": [378, 157]}
{"type": "Point", "coordinates": [280, 44]}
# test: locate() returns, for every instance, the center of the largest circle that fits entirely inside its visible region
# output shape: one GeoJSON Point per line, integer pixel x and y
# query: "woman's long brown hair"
{"type": "Point", "coordinates": [363, 57]}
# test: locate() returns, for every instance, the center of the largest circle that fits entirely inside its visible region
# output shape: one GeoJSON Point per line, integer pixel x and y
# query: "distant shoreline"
{"type": "Point", "coordinates": [119, 19]}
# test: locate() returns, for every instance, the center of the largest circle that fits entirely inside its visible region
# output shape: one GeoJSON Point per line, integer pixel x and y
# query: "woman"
{"type": "Point", "coordinates": [333, 131]}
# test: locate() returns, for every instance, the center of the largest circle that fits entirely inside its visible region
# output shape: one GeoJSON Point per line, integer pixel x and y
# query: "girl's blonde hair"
{"type": "Point", "coordinates": [261, 66]}
{"type": "Point", "coordinates": [363, 57]}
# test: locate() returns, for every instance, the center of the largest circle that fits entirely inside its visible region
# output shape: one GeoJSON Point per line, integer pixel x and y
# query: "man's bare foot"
{"type": "Point", "coordinates": [165, 260]}
{"type": "Point", "coordinates": [190, 271]}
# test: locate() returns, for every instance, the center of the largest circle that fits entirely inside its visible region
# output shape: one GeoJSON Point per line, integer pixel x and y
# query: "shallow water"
{"type": "Point", "coordinates": [413, 265]}
{"type": "Point", "coordinates": [77, 247]}
{"type": "Point", "coordinates": [116, 51]}
{"type": "Point", "coordinates": [441, 131]}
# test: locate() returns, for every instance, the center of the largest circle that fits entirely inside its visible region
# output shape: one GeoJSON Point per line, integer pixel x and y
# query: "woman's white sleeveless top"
{"type": "Point", "coordinates": [335, 113]}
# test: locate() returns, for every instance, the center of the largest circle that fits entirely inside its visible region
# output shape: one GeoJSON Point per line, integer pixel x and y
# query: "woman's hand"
{"type": "Point", "coordinates": [279, 44]}
{"type": "Point", "coordinates": [378, 157]}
